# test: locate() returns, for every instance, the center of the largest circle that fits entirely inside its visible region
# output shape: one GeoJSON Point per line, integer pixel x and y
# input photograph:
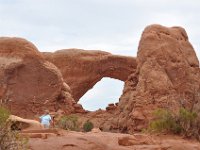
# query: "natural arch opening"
{"type": "Point", "coordinates": [106, 91]}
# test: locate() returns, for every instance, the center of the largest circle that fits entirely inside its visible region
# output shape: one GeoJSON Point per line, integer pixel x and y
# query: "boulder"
{"type": "Point", "coordinates": [25, 124]}
{"type": "Point", "coordinates": [111, 107]}
{"type": "Point", "coordinates": [78, 108]}
{"type": "Point", "coordinates": [30, 84]}
{"type": "Point", "coordinates": [135, 140]}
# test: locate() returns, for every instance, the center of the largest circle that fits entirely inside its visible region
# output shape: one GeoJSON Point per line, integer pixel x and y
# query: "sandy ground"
{"type": "Point", "coordinates": [69, 140]}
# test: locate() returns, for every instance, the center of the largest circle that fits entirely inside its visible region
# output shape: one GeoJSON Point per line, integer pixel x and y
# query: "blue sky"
{"type": "Point", "coordinates": [111, 25]}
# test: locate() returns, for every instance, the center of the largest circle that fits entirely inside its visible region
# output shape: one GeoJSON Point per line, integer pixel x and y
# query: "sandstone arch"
{"type": "Point", "coordinates": [166, 67]}
{"type": "Point", "coordinates": [82, 69]}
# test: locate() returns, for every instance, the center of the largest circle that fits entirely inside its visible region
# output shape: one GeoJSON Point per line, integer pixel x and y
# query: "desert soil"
{"type": "Point", "coordinates": [69, 140]}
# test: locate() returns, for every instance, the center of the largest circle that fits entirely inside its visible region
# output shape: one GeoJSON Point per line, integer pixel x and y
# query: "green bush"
{"type": "Point", "coordinates": [68, 123]}
{"type": "Point", "coordinates": [9, 140]}
{"type": "Point", "coordinates": [166, 121]}
{"type": "Point", "coordinates": [88, 126]}
{"type": "Point", "coordinates": [186, 117]}
{"type": "Point", "coordinates": [187, 121]}
{"type": "Point", "coordinates": [4, 115]}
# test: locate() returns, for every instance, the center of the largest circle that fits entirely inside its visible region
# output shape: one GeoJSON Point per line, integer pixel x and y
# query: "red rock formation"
{"type": "Point", "coordinates": [111, 107]}
{"type": "Point", "coordinates": [29, 84]}
{"type": "Point", "coordinates": [167, 76]}
{"type": "Point", "coordinates": [82, 69]}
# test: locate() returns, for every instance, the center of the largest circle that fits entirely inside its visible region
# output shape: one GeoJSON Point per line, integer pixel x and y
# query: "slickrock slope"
{"type": "Point", "coordinates": [111, 141]}
{"type": "Point", "coordinates": [167, 76]}
{"type": "Point", "coordinates": [82, 69]}
{"type": "Point", "coordinates": [29, 84]}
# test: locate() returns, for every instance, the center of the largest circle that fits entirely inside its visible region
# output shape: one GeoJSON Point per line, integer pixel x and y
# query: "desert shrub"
{"type": "Point", "coordinates": [88, 126]}
{"type": "Point", "coordinates": [68, 123]}
{"type": "Point", "coordinates": [186, 118]}
{"type": "Point", "coordinates": [164, 122]}
{"type": "Point", "coordinates": [4, 115]}
{"type": "Point", "coordinates": [181, 123]}
{"type": "Point", "coordinates": [187, 121]}
{"type": "Point", "coordinates": [9, 140]}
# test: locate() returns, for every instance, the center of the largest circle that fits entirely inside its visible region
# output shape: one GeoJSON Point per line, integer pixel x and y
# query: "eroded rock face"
{"type": "Point", "coordinates": [29, 84]}
{"type": "Point", "coordinates": [167, 76]}
{"type": "Point", "coordinates": [82, 69]}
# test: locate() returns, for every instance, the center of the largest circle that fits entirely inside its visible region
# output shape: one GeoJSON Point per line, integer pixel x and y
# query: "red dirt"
{"type": "Point", "coordinates": [109, 141]}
